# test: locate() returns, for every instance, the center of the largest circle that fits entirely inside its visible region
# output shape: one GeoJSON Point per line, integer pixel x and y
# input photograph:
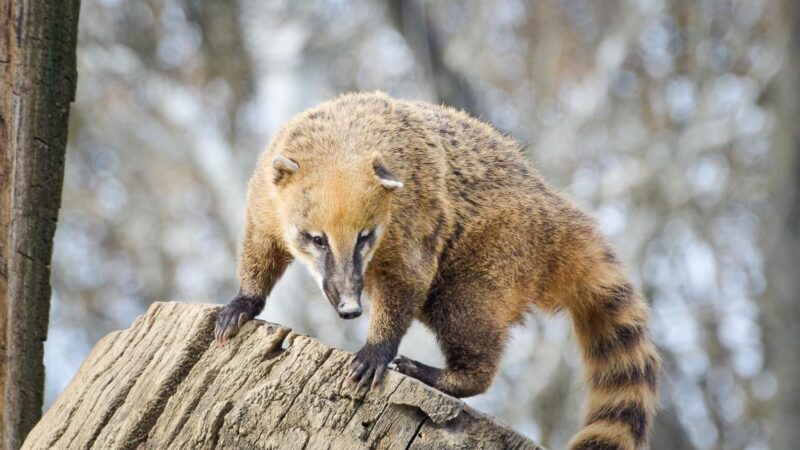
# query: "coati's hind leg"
{"type": "Point", "coordinates": [472, 343]}
{"type": "Point", "coordinates": [473, 304]}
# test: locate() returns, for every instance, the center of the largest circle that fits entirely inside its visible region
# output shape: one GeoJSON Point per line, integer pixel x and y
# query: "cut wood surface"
{"type": "Point", "coordinates": [163, 383]}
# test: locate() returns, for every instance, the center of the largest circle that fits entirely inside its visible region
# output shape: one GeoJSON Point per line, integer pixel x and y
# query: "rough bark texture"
{"type": "Point", "coordinates": [163, 383]}
{"type": "Point", "coordinates": [781, 309]}
{"type": "Point", "coordinates": [37, 84]}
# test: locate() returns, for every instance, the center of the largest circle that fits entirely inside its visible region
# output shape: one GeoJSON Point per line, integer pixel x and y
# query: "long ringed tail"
{"type": "Point", "coordinates": [621, 364]}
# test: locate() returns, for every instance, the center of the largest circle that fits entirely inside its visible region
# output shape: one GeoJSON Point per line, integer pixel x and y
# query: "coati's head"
{"type": "Point", "coordinates": [334, 212]}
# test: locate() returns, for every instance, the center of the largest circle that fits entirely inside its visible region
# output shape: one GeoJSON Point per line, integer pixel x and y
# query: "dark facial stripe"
{"type": "Point", "coordinates": [617, 379]}
{"type": "Point", "coordinates": [596, 443]}
{"type": "Point", "coordinates": [328, 267]}
{"type": "Point", "coordinates": [631, 414]}
{"type": "Point", "coordinates": [623, 339]}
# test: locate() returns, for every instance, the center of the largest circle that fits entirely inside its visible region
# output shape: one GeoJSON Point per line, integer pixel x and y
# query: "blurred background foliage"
{"type": "Point", "coordinates": [672, 121]}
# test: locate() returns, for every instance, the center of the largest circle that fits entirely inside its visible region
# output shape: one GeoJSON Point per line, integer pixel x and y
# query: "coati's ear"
{"type": "Point", "coordinates": [386, 178]}
{"type": "Point", "coordinates": [283, 168]}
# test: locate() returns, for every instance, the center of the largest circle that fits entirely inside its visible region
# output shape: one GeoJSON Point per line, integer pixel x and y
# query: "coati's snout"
{"type": "Point", "coordinates": [343, 289]}
{"type": "Point", "coordinates": [339, 265]}
{"type": "Point", "coordinates": [349, 308]}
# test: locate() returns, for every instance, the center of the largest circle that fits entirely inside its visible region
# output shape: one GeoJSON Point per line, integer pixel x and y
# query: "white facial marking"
{"type": "Point", "coordinates": [293, 232]}
{"type": "Point", "coordinates": [291, 236]}
{"type": "Point", "coordinates": [318, 278]}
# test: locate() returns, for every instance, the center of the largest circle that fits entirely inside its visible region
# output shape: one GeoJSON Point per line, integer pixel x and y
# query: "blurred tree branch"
{"type": "Point", "coordinates": [224, 54]}
{"type": "Point", "coordinates": [450, 86]}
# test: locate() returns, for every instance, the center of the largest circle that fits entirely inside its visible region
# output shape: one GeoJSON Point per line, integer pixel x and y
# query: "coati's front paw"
{"type": "Point", "coordinates": [369, 364]}
{"type": "Point", "coordinates": [231, 318]}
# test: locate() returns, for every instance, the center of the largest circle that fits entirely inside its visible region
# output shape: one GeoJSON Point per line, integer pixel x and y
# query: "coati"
{"type": "Point", "coordinates": [436, 216]}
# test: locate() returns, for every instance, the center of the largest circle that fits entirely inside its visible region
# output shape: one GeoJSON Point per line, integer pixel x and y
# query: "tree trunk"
{"type": "Point", "coordinates": [782, 242]}
{"type": "Point", "coordinates": [37, 83]}
{"type": "Point", "coordinates": [163, 383]}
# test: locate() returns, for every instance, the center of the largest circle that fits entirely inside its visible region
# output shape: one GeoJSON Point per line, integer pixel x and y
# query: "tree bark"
{"type": "Point", "coordinates": [37, 83]}
{"type": "Point", "coordinates": [782, 242]}
{"type": "Point", "coordinates": [164, 383]}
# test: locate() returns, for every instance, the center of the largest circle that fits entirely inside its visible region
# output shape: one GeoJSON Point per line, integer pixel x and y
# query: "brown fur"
{"type": "Point", "coordinates": [473, 240]}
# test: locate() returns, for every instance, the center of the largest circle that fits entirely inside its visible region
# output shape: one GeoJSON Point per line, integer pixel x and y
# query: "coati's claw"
{"type": "Point", "coordinates": [368, 366]}
{"type": "Point", "coordinates": [378, 376]}
{"type": "Point", "coordinates": [229, 320]}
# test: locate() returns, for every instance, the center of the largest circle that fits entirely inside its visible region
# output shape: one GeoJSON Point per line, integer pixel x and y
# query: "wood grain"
{"type": "Point", "coordinates": [163, 383]}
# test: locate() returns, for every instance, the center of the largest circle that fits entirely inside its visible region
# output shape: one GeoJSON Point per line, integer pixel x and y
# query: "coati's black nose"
{"type": "Point", "coordinates": [350, 315]}
{"type": "Point", "coordinates": [349, 309]}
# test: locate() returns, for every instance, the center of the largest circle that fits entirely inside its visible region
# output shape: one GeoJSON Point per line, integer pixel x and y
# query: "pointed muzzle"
{"type": "Point", "coordinates": [349, 307]}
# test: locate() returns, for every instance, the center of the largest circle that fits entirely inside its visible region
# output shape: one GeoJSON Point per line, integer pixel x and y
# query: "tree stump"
{"type": "Point", "coordinates": [164, 383]}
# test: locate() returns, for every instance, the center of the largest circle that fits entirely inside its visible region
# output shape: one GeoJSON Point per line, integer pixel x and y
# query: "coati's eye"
{"type": "Point", "coordinates": [363, 237]}
{"type": "Point", "coordinates": [319, 241]}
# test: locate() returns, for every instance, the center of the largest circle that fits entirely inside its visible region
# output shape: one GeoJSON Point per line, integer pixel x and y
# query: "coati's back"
{"type": "Point", "coordinates": [483, 165]}
{"type": "Point", "coordinates": [497, 242]}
